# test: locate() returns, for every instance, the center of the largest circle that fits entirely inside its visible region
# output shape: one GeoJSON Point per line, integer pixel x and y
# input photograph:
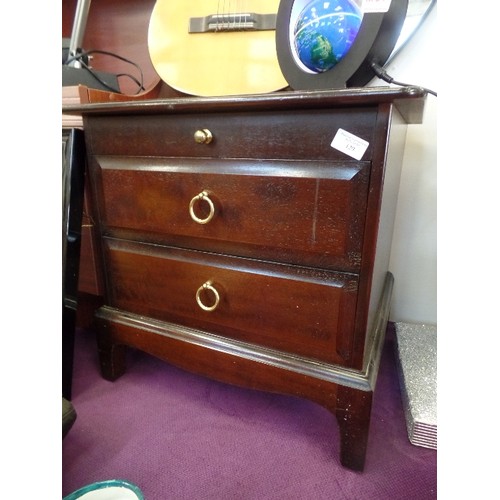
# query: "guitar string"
{"type": "Point", "coordinates": [218, 16]}
{"type": "Point", "coordinates": [231, 15]}
{"type": "Point", "coordinates": [240, 10]}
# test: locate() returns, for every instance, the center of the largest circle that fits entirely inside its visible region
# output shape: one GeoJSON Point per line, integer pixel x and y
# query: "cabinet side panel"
{"type": "Point", "coordinates": [90, 279]}
{"type": "Point", "coordinates": [392, 176]}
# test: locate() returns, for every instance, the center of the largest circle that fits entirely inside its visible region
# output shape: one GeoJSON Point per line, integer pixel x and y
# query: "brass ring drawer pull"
{"type": "Point", "coordinates": [207, 286]}
{"type": "Point", "coordinates": [202, 196]}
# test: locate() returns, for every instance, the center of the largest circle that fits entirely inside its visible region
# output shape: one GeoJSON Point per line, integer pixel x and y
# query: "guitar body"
{"type": "Point", "coordinates": [220, 61]}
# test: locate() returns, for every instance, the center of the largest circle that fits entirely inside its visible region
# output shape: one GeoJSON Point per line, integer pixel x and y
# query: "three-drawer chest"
{"type": "Point", "coordinates": [247, 238]}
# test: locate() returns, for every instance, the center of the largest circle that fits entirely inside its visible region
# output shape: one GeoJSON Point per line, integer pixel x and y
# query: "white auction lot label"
{"type": "Point", "coordinates": [349, 144]}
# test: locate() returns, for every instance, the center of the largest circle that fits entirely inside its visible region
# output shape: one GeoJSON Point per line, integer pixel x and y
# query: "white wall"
{"type": "Point", "coordinates": [414, 248]}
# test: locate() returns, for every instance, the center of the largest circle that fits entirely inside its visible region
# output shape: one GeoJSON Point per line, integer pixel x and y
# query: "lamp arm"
{"type": "Point", "coordinates": [79, 25]}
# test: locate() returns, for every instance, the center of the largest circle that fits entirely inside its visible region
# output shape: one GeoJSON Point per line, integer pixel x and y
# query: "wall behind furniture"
{"type": "Point", "coordinates": [414, 248]}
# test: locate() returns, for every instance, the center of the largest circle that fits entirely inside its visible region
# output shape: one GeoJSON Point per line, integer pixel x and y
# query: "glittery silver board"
{"type": "Point", "coordinates": [416, 347]}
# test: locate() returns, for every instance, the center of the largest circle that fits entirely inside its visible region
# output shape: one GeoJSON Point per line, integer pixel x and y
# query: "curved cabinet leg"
{"type": "Point", "coordinates": [112, 357]}
{"type": "Point", "coordinates": [353, 416]}
{"type": "Point", "coordinates": [192, 350]}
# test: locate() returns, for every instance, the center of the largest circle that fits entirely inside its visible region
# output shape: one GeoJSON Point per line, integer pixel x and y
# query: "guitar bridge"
{"type": "Point", "coordinates": [232, 22]}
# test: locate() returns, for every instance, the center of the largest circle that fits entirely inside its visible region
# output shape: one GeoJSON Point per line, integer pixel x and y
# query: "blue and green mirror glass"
{"type": "Point", "coordinates": [329, 44]}
{"type": "Point", "coordinates": [324, 32]}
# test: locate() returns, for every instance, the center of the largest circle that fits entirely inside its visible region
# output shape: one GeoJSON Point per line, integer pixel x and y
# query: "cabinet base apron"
{"type": "Point", "coordinates": [344, 392]}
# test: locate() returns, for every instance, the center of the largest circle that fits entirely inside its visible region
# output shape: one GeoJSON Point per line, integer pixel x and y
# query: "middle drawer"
{"type": "Point", "coordinates": [306, 213]}
{"type": "Point", "coordinates": [296, 310]}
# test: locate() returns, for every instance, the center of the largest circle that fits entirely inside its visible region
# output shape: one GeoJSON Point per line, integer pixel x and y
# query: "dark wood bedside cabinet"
{"type": "Point", "coordinates": [238, 243]}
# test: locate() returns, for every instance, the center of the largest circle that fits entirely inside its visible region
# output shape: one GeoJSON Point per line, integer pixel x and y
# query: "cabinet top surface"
{"type": "Point", "coordinates": [409, 100]}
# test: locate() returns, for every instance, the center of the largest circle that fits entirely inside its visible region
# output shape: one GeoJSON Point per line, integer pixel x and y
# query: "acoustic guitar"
{"type": "Point", "coordinates": [216, 47]}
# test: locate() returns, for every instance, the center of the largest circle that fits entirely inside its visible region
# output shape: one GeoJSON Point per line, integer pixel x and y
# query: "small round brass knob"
{"type": "Point", "coordinates": [203, 288]}
{"type": "Point", "coordinates": [203, 136]}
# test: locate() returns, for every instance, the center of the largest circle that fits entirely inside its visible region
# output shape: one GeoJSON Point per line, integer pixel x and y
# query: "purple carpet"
{"type": "Point", "coordinates": [181, 436]}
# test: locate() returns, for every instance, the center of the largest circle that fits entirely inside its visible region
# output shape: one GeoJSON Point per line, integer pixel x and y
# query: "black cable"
{"type": "Point", "coordinates": [382, 74]}
{"type": "Point", "coordinates": [83, 56]}
{"type": "Point", "coordinates": [96, 77]}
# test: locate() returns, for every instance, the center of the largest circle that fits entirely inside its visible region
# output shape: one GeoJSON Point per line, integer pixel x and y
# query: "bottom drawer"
{"type": "Point", "coordinates": [298, 310]}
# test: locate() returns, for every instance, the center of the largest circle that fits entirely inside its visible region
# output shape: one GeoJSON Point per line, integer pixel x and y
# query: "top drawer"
{"type": "Point", "coordinates": [264, 135]}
